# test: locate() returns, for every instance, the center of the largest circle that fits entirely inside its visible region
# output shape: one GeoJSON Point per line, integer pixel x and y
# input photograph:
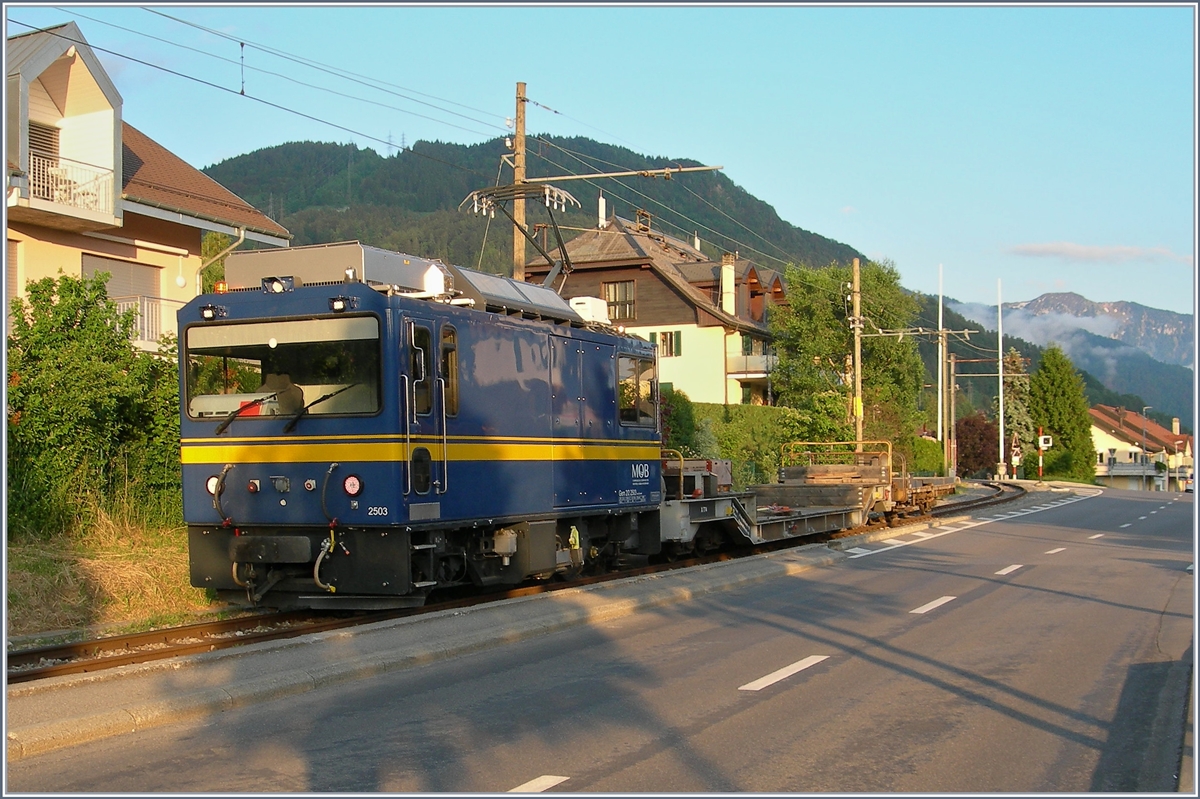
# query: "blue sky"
{"type": "Point", "coordinates": [1050, 148]}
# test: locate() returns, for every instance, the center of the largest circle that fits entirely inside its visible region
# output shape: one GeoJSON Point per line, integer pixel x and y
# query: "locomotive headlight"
{"type": "Point", "coordinates": [211, 484]}
{"type": "Point", "coordinates": [352, 485]}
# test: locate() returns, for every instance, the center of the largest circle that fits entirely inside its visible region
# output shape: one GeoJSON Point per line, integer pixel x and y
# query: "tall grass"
{"type": "Point", "coordinates": [123, 562]}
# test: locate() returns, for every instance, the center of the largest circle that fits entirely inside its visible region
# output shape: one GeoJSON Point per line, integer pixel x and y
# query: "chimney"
{"type": "Point", "coordinates": [1174, 425]}
{"type": "Point", "coordinates": [603, 213]}
{"type": "Point", "coordinates": [728, 297]}
{"type": "Point", "coordinates": [696, 241]}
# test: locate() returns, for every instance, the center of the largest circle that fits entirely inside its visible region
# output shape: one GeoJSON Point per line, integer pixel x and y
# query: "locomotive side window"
{"type": "Point", "coordinates": [420, 363]}
{"type": "Point", "coordinates": [450, 368]}
{"type": "Point", "coordinates": [635, 384]}
{"type": "Point", "coordinates": [329, 365]}
{"type": "Point", "coordinates": [422, 470]}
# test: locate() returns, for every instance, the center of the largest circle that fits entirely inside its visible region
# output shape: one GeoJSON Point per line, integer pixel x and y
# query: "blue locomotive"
{"type": "Point", "coordinates": [360, 427]}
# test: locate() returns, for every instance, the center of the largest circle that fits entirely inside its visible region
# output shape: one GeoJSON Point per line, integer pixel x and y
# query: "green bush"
{"type": "Point", "coordinates": [90, 418]}
{"type": "Point", "coordinates": [925, 457]}
{"type": "Point", "coordinates": [752, 436]}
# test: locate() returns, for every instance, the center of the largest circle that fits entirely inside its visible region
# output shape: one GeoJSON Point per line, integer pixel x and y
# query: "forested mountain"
{"type": "Point", "coordinates": [410, 201]}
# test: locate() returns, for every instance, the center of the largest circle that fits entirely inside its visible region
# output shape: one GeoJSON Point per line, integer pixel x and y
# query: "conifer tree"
{"type": "Point", "coordinates": [1058, 405]}
{"type": "Point", "coordinates": [1018, 423]}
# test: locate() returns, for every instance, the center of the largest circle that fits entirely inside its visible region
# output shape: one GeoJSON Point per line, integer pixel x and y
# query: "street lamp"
{"type": "Point", "coordinates": [1177, 486]}
{"type": "Point", "coordinates": [1112, 462]}
{"type": "Point", "coordinates": [1144, 409]}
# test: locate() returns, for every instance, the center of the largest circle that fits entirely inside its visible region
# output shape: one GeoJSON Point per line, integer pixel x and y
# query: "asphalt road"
{"type": "Point", "coordinates": [1046, 651]}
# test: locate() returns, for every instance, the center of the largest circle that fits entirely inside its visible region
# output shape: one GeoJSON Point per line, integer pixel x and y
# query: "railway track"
{"type": "Point", "coordinates": [121, 650]}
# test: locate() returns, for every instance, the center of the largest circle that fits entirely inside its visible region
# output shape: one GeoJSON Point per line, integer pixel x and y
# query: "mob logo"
{"type": "Point", "coordinates": [641, 471]}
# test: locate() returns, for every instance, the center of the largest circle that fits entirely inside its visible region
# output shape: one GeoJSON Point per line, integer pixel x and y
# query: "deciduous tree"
{"type": "Point", "coordinates": [813, 339]}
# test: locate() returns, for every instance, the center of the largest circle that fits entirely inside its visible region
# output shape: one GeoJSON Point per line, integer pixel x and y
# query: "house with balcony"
{"type": "Point", "coordinates": [89, 193]}
{"type": "Point", "coordinates": [1137, 453]}
{"type": "Point", "coordinates": [707, 318]}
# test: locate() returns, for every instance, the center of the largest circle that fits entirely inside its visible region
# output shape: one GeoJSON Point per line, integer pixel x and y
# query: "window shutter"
{"type": "Point", "coordinates": [126, 279]}
{"type": "Point", "coordinates": [43, 140]}
{"type": "Point", "coordinates": [10, 281]}
{"type": "Point", "coordinates": [678, 342]}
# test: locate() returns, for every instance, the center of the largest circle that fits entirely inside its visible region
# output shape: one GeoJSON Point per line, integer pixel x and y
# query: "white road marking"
{"type": "Point", "coordinates": [1097, 535]}
{"type": "Point", "coordinates": [1191, 566]}
{"type": "Point", "coordinates": [1009, 569]}
{"type": "Point", "coordinates": [542, 783]}
{"type": "Point", "coordinates": [1123, 526]}
{"type": "Point", "coordinates": [937, 603]}
{"type": "Point", "coordinates": [783, 674]}
{"type": "Point", "coordinates": [1055, 551]}
{"type": "Point", "coordinates": [894, 543]}
{"type": "Point", "coordinates": [1140, 518]}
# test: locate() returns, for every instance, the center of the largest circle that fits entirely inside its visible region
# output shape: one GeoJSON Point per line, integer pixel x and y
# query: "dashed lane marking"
{"type": "Point", "coordinates": [1055, 551]}
{"type": "Point", "coordinates": [1009, 569]}
{"type": "Point", "coordinates": [1141, 518]}
{"type": "Point", "coordinates": [783, 674]}
{"type": "Point", "coordinates": [542, 783]}
{"type": "Point", "coordinates": [1123, 526]}
{"type": "Point", "coordinates": [1097, 535]}
{"type": "Point", "coordinates": [937, 603]}
{"type": "Point", "coordinates": [894, 543]}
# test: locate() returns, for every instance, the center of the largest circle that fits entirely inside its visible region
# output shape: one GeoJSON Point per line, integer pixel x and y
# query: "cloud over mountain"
{"type": "Point", "coordinates": [1088, 253]}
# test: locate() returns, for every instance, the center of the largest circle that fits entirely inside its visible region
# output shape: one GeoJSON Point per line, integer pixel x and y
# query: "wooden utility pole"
{"type": "Point", "coordinates": [856, 324]}
{"type": "Point", "coordinates": [518, 203]}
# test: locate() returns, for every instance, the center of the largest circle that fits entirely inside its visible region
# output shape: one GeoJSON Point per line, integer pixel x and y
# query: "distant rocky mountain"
{"type": "Point", "coordinates": [1090, 338]}
{"type": "Point", "coordinates": [1163, 335]}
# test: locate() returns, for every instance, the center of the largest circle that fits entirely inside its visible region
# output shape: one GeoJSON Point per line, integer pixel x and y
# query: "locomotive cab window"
{"type": "Point", "coordinates": [636, 390]}
{"type": "Point", "coordinates": [323, 366]}
{"type": "Point", "coordinates": [421, 365]}
{"type": "Point", "coordinates": [450, 368]}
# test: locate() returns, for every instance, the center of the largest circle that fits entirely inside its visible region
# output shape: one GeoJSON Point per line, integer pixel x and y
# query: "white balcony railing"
{"type": "Point", "coordinates": [155, 316]}
{"type": "Point", "coordinates": [67, 182]}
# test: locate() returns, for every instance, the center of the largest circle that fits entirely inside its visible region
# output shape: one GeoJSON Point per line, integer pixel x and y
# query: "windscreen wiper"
{"type": "Point", "coordinates": [252, 404]}
{"type": "Point", "coordinates": [287, 428]}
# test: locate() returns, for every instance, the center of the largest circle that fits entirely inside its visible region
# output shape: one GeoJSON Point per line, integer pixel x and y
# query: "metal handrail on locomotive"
{"type": "Point", "coordinates": [359, 427]}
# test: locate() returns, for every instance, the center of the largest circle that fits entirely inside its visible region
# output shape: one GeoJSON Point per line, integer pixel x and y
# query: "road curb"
{"type": "Point", "coordinates": [557, 611]}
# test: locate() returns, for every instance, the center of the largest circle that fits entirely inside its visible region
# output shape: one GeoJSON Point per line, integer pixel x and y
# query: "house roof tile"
{"type": "Point", "coordinates": [155, 176]}
{"type": "Point", "coordinates": [1128, 425]}
{"type": "Point", "coordinates": [678, 263]}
